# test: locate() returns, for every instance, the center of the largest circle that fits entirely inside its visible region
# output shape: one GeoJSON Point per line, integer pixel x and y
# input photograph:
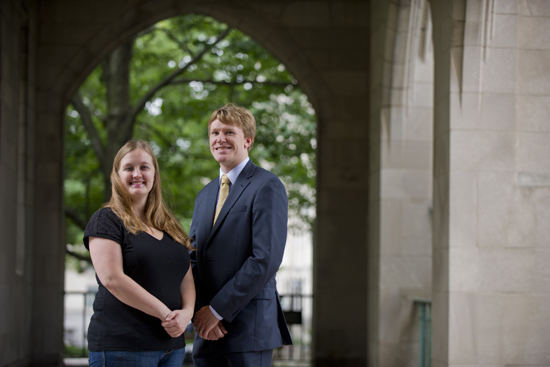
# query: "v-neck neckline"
{"type": "Point", "coordinates": [158, 239]}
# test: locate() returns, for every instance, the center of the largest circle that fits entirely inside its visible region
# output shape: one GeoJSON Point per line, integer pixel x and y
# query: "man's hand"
{"type": "Point", "coordinates": [205, 321]}
{"type": "Point", "coordinates": [176, 322]}
{"type": "Point", "coordinates": [216, 333]}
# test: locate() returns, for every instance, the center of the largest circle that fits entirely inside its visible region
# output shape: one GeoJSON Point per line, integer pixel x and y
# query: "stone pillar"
{"type": "Point", "coordinates": [17, 91]}
{"type": "Point", "coordinates": [401, 173]}
{"type": "Point", "coordinates": [338, 50]}
{"type": "Point", "coordinates": [48, 260]}
{"type": "Point", "coordinates": [491, 183]}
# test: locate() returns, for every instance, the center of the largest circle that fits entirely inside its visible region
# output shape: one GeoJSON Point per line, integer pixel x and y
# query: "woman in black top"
{"type": "Point", "coordinates": [146, 293]}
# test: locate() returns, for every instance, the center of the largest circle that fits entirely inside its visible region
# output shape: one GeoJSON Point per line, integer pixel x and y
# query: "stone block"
{"type": "Point", "coordinates": [471, 150]}
{"type": "Point", "coordinates": [346, 83]}
{"type": "Point", "coordinates": [405, 272]}
{"type": "Point", "coordinates": [534, 8]}
{"type": "Point", "coordinates": [419, 246]}
{"type": "Point", "coordinates": [419, 124]}
{"type": "Point", "coordinates": [406, 184]}
{"type": "Point", "coordinates": [462, 329]}
{"type": "Point", "coordinates": [500, 70]}
{"type": "Point", "coordinates": [350, 14]}
{"type": "Point", "coordinates": [534, 33]}
{"type": "Point", "coordinates": [514, 270]}
{"type": "Point", "coordinates": [374, 188]}
{"type": "Point", "coordinates": [373, 280]}
{"type": "Point", "coordinates": [348, 107]}
{"type": "Point", "coordinates": [441, 211]}
{"type": "Point", "coordinates": [424, 68]}
{"type": "Point", "coordinates": [475, 11]}
{"type": "Point", "coordinates": [464, 269]}
{"type": "Point", "coordinates": [441, 271]}
{"type": "Point", "coordinates": [256, 27]}
{"type": "Point", "coordinates": [534, 72]}
{"type": "Point", "coordinates": [393, 124]}
{"type": "Point", "coordinates": [498, 112]}
{"type": "Point", "coordinates": [350, 241]}
{"type": "Point", "coordinates": [422, 94]}
{"type": "Point", "coordinates": [533, 152]}
{"type": "Point", "coordinates": [306, 14]}
{"type": "Point", "coordinates": [533, 113]}
{"type": "Point", "coordinates": [48, 75]}
{"type": "Point", "coordinates": [406, 154]}
{"type": "Point", "coordinates": [339, 271]}
{"type": "Point", "coordinates": [511, 215]}
{"type": "Point", "coordinates": [416, 221]}
{"type": "Point", "coordinates": [340, 129]}
{"type": "Point", "coordinates": [342, 308]}
{"type": "Point", "coordinates": [390, 227]}
{"type": "Point", "coordinates": [440, 328]}
{"type": "Point", "coordinates": [352, 60]}
{"type": "Point", "coordinates": [505, 31]}
{"type": "Point", "coordinates": [506, 7]}
{"type": "Point", "coordinates": [374, 159]}
{"type": "Point", "coordinates": [66, 33]}
{"type": "Point", "coordinates": [389, 310]}
{"type": "Point", "coordinates": [473, 34]}
{"type": "Point", "coordinates": [463, 208]}
{"type": "Point", "coordinates": [513, 329]}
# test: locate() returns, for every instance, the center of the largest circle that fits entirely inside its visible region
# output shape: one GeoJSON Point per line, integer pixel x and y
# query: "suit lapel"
{"type": "Point", "coordinates": [205, 225]}
{"type": "Point", "coordinates": [236, 191]}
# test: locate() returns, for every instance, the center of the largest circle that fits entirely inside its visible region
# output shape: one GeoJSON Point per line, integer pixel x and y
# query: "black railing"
{"type": "Point", "coordinates": [296, 307]}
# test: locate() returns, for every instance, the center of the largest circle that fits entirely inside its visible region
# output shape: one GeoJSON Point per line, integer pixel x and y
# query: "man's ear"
{"type": "Point", "coordinates": [248, 142]}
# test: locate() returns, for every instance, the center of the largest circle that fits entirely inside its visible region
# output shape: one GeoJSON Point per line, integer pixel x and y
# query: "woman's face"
{"type": "Point", "coordinates": [137, 174]}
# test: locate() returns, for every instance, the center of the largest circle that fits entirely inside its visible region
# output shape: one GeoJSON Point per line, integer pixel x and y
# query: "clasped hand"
{"type": "Point", "coordinates": [207, 325]}
{"type": "Point", "coordinates": [176, 322]}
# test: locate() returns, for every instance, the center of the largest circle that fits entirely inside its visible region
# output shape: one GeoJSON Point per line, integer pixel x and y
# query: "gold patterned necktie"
{"type": "Point", "coordinates": [224, 191]}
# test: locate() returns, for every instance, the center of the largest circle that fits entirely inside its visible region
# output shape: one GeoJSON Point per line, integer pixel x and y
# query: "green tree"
{"type": "Point", "coordinates": [162, 86]}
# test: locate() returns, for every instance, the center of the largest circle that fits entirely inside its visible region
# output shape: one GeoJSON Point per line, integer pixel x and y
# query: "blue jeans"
{"type": "Point", "coordinates": [169, 358]}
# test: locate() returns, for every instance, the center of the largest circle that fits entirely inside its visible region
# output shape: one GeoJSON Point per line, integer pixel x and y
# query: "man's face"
{"type": "Point", "coordinates": [228, 144]}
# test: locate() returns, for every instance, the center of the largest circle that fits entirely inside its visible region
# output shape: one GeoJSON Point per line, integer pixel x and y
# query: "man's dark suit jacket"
{"type": "Point", "coordinates": [235, 261]}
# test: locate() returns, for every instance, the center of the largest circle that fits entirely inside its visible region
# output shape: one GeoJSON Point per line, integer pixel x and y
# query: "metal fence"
{"type": "Point", "coordinates": [297, 309]}
{"type": "Point", "coordinates": [425, 337]}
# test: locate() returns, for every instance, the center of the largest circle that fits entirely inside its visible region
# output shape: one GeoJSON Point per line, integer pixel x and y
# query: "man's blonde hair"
{"type": "Point", "coordinates": [234, 115]}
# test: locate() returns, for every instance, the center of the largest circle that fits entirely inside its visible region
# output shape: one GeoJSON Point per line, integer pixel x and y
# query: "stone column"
{"type": "Point", "coordinates": [491, 183]}
{"type": "Point", "coordinates": [401, 173]}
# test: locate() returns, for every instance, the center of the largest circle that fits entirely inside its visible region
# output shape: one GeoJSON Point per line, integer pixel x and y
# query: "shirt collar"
{"type": "Point", "coordinates": [235, 172]}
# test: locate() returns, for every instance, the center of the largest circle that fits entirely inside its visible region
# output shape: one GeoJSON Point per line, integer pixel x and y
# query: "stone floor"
{"type": "Point", "coordinates": [83, 362]}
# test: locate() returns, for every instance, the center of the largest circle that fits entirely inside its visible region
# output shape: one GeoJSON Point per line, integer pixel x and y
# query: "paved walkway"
{"type": "Point", "coordinates": [83, 362]}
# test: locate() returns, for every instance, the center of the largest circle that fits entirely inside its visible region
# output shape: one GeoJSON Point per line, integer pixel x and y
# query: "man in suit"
{"type": "Point", "coordinates": [239, 232]}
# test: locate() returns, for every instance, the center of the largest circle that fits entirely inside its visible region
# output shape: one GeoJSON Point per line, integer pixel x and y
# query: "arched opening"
{"type": "Point", "coordinates": [162, 85]}
{"type": "Point", "coordinates": [69, 40]}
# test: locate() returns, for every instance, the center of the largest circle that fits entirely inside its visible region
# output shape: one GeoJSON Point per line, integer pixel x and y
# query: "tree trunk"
{"type": "Point", "coordinates": [116, 72]}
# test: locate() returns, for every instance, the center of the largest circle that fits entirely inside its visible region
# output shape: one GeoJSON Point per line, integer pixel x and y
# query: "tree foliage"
{"type": "Point", "coordinates": [162, 86]}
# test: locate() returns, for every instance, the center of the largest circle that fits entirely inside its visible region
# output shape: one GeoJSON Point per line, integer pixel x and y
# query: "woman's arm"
{"type": "Point", "coordinates": [107, 260]}
{"type": "Point", "coordinates": [177, 321]}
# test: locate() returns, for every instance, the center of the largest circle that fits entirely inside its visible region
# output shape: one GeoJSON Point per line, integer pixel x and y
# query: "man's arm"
{"type": "Point", "coordinates": [199, 301]}
{"type": "Point", "coordinates": [269, 229]}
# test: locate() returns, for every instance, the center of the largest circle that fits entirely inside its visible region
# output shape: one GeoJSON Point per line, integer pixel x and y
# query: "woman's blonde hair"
{"type": "Point", "coordinates": [156, 214]}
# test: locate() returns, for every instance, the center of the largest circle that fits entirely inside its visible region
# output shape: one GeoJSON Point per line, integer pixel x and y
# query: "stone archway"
{"type": "Point", "coordinates": [74, 36]}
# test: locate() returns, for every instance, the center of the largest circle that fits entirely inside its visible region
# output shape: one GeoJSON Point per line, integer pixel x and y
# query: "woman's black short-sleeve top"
{"type": "Point", "coordinates": [159, 266]}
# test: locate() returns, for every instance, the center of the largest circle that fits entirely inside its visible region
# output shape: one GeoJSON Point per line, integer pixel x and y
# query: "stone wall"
{"type": "Point", "coordinates": [367, 67]}
{"type": "Point", "coordinates": [491, 183]}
